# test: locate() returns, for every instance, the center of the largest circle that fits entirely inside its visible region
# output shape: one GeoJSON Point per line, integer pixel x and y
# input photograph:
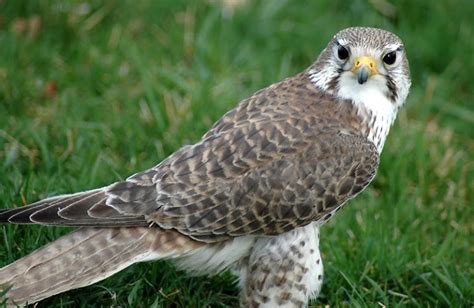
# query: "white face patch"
{"type": "Point", "coordinates": [374, 105]}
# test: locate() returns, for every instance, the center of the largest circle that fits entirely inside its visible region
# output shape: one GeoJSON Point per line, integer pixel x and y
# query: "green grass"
{"type": "Point", "coordinates": [136, 80]}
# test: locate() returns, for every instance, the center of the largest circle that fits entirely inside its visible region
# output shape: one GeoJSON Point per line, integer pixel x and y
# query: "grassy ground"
{"type": "Point", "coordinates": [90, 93]}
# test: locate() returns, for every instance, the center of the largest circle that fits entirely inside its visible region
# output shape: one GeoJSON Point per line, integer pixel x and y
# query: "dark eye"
{"type": "Point", "coordinates": [390, 58]}
{"type": "Point", "coordinates": [342, 53]}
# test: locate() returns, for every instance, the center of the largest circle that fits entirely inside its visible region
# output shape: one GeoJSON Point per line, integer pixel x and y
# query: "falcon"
{"type": "Point", "coordinates": [249, 196]}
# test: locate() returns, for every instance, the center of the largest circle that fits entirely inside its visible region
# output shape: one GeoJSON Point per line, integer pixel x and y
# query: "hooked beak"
{"type": "Point", "coordinates": [364, 67]}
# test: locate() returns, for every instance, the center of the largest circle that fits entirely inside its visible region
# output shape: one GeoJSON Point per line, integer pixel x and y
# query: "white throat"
{"type": "Point", "coordinates": [370, 98]}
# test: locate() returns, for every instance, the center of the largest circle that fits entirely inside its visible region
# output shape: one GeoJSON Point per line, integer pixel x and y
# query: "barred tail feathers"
{"type": "Point", "coordinates": [86, 256]}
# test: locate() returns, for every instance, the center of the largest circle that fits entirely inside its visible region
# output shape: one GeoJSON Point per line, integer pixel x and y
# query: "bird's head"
{"type": "Point", "coordinates": [363, 62]}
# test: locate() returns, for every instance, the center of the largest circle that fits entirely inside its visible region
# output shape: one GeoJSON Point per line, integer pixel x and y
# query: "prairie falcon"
{"type": "Point", "coordinates": [250, 195]}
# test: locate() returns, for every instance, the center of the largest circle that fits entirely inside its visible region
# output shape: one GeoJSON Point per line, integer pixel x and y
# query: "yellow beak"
{"type": "Point", "coordinates": [364, 67]}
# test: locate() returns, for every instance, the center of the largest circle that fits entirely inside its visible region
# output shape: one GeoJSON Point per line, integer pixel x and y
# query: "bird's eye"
{"type": "Point", "coordinates": [390, 58]}
{"type": "Point", "coordinates": [342, 53]}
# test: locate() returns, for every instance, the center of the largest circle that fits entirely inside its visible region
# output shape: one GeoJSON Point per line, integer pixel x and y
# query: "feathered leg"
{"type": "Point", "coordinates": [283, 271]}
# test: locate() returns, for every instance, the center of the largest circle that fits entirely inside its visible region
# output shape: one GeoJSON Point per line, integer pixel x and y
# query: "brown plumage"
{"type": "Point", "coordinates": [274, 168]}
{"type": "Point", "coordinates": [86, 256]}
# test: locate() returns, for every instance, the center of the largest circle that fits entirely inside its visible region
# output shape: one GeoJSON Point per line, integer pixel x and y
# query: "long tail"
{"type": "Point", "coordinates": [84, 257]}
